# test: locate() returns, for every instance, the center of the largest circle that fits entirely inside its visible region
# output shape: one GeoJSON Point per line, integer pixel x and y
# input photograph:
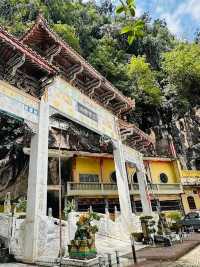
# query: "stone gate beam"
{"type": "Point", "coordinates": [37, 183]}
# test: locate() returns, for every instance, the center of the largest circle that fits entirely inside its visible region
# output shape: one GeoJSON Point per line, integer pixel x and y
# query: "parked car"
{"type": "Point", "coordinates": [191, 220]}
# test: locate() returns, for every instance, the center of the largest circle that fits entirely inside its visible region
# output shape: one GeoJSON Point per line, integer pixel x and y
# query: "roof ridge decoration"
{"type": "Point", "coordinates": [43, 24]}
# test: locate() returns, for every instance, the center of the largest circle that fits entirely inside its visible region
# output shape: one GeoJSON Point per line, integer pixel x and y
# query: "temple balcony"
{"type": "Point", "coordinates": [106, 189]}
{"type": "Point", "coordinates": [190, 173]}
{"type": "Point", "coordinates": [190, 177]}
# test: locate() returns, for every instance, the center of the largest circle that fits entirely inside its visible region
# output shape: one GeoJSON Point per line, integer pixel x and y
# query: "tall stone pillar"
{"type": "Point", "coordinates": [122, 185]}
{"type": "Point", "coordinates": [37, 183]}
{"type": "Point", "coordinates": [143, 187]}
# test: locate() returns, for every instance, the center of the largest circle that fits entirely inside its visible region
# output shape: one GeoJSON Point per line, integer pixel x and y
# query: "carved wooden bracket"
{"type": "Point", "coordinates": [46, 81]}
{"type": "Point", "coordinates": [92, 86]}
{"type": "Point", "coordinates": [107, 97]}
{"type": "Point", "coordinates": [126, 133]}
{"type": "Point", "coordinates": [119, 107]}
{"type": "Point", "coordinates": [52, 52]}
{"type": "Point", "coordinates": [13, 64]}
{"type": "Point", "coordinates": [73, 72]}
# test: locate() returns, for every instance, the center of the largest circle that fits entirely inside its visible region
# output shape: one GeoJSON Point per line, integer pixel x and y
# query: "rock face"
{"type": "Point", "coordinates": [14, 134]}
{"type": "Point", "coordinates": [182, 132]}
{"type": "Point", "coordinates": [14, 164]}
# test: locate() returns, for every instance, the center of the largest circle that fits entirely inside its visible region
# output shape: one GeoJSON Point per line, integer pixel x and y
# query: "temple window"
{"type": "Point", "coordinates": [163, 178]}
{"type": "Point", "coordinates": [191, 203]}
{"type": "Point", "coordinates": [89, 178]}
{"type": "Point", "coordinates": [113, 178]}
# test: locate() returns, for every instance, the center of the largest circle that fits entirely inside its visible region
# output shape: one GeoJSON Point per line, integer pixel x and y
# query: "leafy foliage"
{"type": "Point", "coordinates": [109, 59]}
{"type": "Point", "coordinates": [21, 205]}
{"type": "Point", "coordinates": [182, 67]}
{"type": "Point", "coordinates": [68, 34]}
{"type": "Point", "coordinates": [145, 87]}
{"type": "Point", "coordinates": [133, 28]}
{"type": "Point", "coordinates": [154, 67]}
{"type": "Point", "coordinates": [70, 206]}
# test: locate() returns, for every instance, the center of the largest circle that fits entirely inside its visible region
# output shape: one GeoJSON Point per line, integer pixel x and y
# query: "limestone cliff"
{"type": "Point", "coordinates": [15, 135]}
{"type": "Point", "coordinates": [166, 127]}
{"type": "Point", "coordinates": [181, 131]}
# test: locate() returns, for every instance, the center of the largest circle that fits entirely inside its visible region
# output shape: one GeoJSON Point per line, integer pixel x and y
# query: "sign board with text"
{"type": "Point", "coordinates": [18, 103]}
{"type": "Point", "coordinates": [76, 106]}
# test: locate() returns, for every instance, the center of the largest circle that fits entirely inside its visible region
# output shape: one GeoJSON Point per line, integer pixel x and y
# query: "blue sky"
{"type": "Point", "coordinates": [182, 16]}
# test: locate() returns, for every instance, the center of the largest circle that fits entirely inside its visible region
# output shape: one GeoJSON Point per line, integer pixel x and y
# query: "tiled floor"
{"type": "Point", "coordinates": [191, 259]}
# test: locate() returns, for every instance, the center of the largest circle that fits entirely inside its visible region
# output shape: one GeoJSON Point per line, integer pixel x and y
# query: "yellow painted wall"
{"type": "Point", "coordinates": [86, 165]}
{"type": "Point", "coordinates": [93, 165]}
{"type": "Point", "coordinates": [108, 167]}
{"type": "Point", "coordinates": [167, 167]}
{"type": "Point", "coordinates": [187, 193]}
{"type": "Point", "coordinates": [97, 166]}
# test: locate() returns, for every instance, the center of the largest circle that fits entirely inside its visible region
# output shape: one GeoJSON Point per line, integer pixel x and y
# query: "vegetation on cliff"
{"type": "Point", "coordinates": [153, 68]}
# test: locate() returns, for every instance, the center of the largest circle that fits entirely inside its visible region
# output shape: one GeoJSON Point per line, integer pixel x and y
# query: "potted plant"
{"type": "Point", "coordinates": [83, 245]}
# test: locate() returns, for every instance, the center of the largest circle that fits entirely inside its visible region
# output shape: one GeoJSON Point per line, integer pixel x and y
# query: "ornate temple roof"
{"type": "Point", "coordinates": [30, 55]}
{"type": "Point", "coordinates": [23, 67]}
{"type": "Point", "coordinates": [75, 68]}
{"type": "Point", "coordinates": [134, 137]}
{"type": "Point", "coordinates": [31, 62]}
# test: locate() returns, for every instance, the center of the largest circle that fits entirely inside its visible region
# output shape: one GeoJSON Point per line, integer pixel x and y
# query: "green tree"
{"type": "Point", "coordinates": [109, 60]}
{"type": "Point", "coordinates": [157, 40]}
{"type": "Point", "coordinates": [182, 68]}
{"type": "Point", "coordinates": [132, 27]}
{"type": "Point", "coordinates": [144, 87]}
{"type": "Point", "coordinates": [68, 34]}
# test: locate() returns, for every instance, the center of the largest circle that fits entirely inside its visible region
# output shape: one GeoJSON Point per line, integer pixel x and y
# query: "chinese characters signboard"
{"type": "Point", "coordinates": [77, 106]}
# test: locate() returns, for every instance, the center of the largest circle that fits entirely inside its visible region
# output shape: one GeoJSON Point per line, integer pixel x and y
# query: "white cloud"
{"type": "Point", "coordinates": [174, 19]}
{"type": "Point", "coordinates": [173, 22]}
{"type": "Point", "coordinates": [193, 8]}
{"type": "Point", "coordinates": [139, 11]}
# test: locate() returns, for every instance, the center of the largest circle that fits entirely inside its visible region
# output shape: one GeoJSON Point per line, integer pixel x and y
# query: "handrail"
{"type": "Point", "coordinates": [112, 187]}
{"type": "Point", "coordinates": [190, 173]}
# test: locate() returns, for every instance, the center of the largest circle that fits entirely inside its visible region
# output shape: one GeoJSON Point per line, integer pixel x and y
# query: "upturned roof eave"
{"type": "Point", "coordinates": [32, 55]}
{"type": "Point", "coordinates": [41, 22]}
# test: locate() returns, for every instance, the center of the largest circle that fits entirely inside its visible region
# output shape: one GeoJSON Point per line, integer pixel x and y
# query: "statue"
{"type": "Point", "coordinates": [7, 203]}
{"type": "Point", "coordinates": [83, 245]}
{"type": "Point", "coordinates": [116, 213]}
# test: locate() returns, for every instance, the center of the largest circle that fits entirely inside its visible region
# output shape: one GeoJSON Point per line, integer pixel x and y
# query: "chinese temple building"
{"type": "Point", "coordinates": [66, 107]}
{"type": "Point", "coordinates": [191, 185]}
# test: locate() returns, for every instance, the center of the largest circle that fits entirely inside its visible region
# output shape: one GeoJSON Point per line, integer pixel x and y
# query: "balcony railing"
{"type": "Point", "coordinates": [95, 189]}
{"type": "Point", "coordinates": [190, 173]}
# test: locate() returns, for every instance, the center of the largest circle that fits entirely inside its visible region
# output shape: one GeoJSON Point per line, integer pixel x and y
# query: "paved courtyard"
{"type": "Point", "coordinates": [191, 259]}
{"type": "Point", "coordinates": [172, 256]}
